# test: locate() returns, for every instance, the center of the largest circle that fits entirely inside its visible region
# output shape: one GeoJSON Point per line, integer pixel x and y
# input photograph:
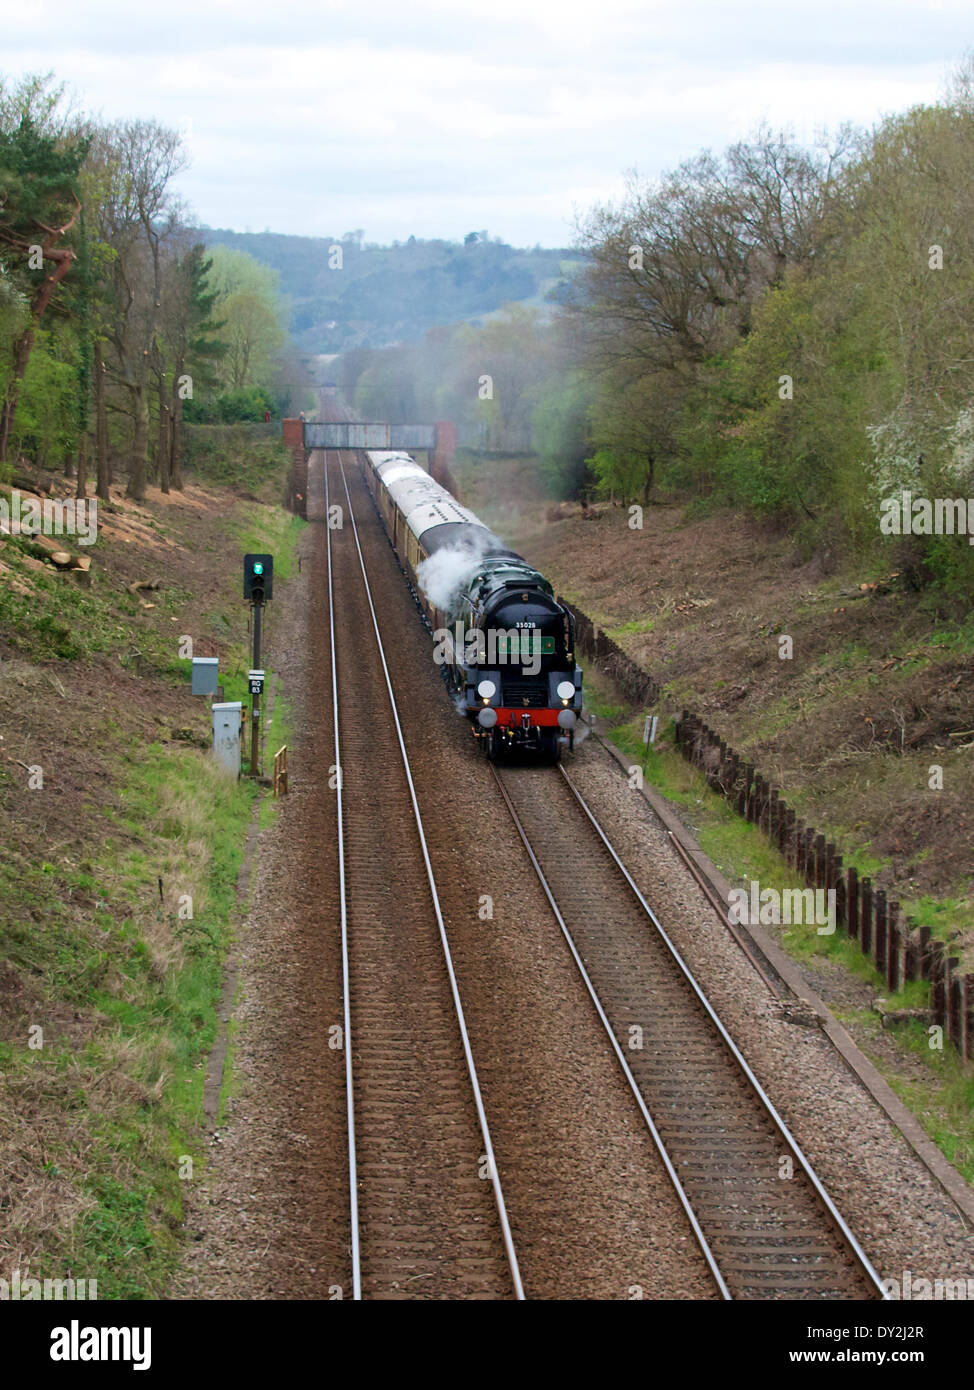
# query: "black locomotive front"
{"type": "Point", "coordinates": [519, 677]}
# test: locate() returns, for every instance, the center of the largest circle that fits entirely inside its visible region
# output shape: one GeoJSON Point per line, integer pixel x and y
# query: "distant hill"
{"type": "Point", "coordinates": [393, 294]}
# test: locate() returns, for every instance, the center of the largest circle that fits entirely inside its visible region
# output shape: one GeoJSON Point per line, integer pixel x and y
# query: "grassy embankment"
{"type": "Point", "coordinates": [118, 887]}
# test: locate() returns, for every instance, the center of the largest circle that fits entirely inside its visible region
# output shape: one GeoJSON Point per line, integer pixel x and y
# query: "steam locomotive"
{"type": "Point", "coordinates": [506, 645]}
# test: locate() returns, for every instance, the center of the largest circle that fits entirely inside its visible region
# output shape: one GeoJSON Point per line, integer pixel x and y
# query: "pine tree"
{"type": "Point", "coordinates": [39, 206]}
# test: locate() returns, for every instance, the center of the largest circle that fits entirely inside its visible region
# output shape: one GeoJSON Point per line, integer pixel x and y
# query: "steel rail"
{"type": "Point", "coordinates": [766, 971]}
{"type": "Point", "coordinates": [721, 911]}
{"type": "Point", "coordinates": [454, 987]}
{"type": "Point", "coordinates": [346, 988]}
{"type": "Point", "coordinates": [825, 1200]}
{"type": "Point", "coordinates": [620, 1055]}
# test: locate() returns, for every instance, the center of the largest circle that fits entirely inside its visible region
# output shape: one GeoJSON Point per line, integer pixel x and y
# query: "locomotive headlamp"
{"type": "Point", "coordinates": [486, 690]}
{"type": "Point", "coordinates": [566, 690]}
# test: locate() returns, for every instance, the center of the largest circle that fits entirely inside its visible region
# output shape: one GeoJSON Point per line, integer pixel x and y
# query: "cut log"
{"type": "Point", "coordinates": [40, 546]}
{"type": "Point", "coordinates": [25, 484]}
{"type": "Point", "coordinates": [82, 562]}
{"type": "Point", "coordinates": [151, 584]}
{"type": "Point", "coordinates": [46, 549]}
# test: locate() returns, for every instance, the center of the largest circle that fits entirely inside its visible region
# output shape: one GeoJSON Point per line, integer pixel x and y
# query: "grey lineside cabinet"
{"type": "Point", "coordinates": [205, 674]}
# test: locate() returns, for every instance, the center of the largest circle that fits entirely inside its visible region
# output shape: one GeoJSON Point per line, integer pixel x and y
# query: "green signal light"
{"type": "Point", "coordinates": [258, 577]}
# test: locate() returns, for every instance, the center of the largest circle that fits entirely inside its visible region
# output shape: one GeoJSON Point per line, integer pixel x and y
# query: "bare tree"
{"type": "Point", "coordinates": [140, 159]}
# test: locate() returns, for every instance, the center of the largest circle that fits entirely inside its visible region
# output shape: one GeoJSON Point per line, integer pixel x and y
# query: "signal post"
{"type": "Point", "coordinates": [258, 589]}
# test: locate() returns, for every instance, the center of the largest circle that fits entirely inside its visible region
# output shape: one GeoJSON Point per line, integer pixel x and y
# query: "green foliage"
{"type": "Point", "coordinates": [13, 309]}
{"type": "Point", "coordinates": [41, 155]}
{"type": "Point", "coordinates": [142, 310]}
{"type": "Point", "coordinates": [191, 338]}
{"type": "Point", "coordinates": [792, 334]}
{"type": "Point", "coordinates": [779, 425]}
{"type": "Point", "coordinates": [619, 476]}
{"type": "Point", "coordinates": [46, 424]}
{"type": "Point", "coordinates": [246, 298]}
{"type": "Point", "coordinates": [561, 431]}
{"type": "Point", "coordinates": [248, 403]}
{"type": "Point", "coordinates": [38, 181]}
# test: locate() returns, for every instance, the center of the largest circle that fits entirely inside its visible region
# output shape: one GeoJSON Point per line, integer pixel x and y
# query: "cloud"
{"type": "Point", "coordinates": [435, 116]}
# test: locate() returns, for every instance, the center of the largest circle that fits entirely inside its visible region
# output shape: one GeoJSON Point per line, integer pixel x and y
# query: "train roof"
{"type": "Point", "coordinates": [425, 503]}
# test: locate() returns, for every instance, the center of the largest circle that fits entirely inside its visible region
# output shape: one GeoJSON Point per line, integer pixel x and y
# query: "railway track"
{"type": "Point", "coordinates": [762, 1218]}
{"type": "Point", "coordinates": [427, 1211]}
{"type": "Point", "coordinates": [418, 1136]}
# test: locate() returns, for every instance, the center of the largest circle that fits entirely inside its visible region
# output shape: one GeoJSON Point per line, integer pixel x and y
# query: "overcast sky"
{"type": "Point", "coordinates": [437, 117]}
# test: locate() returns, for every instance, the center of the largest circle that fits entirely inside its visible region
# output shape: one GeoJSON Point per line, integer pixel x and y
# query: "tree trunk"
{"type": "Point", "coordinates": [648, 480]}
{"type": "Point", "coordinates": [176, 436]}
{"type": "Point", "coordinates": [21, 357]}
{"type": "Point", "coordinates": [140, 443]}
{"type": "Point", "coordinates": [163, 438]}
{"type": "Point", "coordinates": [82, 488]}
{"type": "Point", "coordinates": [101, 425]}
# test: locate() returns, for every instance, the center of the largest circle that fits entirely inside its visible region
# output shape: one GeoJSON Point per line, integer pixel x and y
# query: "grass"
{"type": "Point", "coordinates": [260, 528]}
{"type": "Point", "coordinates": [147, 975]}
{"type": "Point", "coordinates": [277, 734]}
{"type": "Point", "coordinates": [958, 639]}
{"type": "Point", "coordinates": [631, 629]}
{"type": "Point", "coordinates": [245, 457]}
{"type": "Point", "coordinates": [99, 1126]}
{"type": "Point", "coordinates": [943, 1101]}
{"type": "Point", "coordinates": [60, 620]}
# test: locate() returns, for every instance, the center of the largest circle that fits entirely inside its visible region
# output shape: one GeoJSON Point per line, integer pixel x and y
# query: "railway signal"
{"type": "Point", "coordinates": [258, 588]}
{"type": "Point", "coordinates": [258, 578]}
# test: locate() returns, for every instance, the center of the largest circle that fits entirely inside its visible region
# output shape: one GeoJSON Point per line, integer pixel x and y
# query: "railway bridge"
{"type": "Point", "coordinates": [438, 442]}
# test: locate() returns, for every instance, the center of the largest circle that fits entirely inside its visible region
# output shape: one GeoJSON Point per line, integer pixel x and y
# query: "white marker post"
{"type": "Point", "coordinates": [650, 724]}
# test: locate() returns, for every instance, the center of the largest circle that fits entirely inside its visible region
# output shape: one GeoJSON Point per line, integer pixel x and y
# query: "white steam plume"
{"type": "Point", "coordinates": [447, 570]}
